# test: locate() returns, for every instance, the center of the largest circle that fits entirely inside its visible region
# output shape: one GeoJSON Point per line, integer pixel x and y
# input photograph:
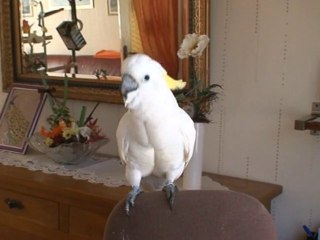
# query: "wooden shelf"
{"type": "Point", "coordinates": [262, 191]}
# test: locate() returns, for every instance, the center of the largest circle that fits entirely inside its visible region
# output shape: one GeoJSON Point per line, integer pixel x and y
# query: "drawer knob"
{"type": "Point", "coordinates": [12, 203]}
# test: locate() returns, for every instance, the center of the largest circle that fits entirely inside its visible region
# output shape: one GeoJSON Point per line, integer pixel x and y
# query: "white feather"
{"type": "Point", "coordinates": [155, 136]}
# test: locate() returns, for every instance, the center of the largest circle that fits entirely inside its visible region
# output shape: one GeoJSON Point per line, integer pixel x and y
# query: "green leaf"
{"type": "Point", "coordinates": [82, 116]}
{"type": "Point", "coordinates": [181, 97]}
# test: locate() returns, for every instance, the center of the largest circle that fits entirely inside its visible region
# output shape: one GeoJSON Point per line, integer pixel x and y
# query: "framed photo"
{"type": "Point", "coordinates": [26, 6]}
{"type": "Point", "coordinates": [80, 4]}
{"type": "Point", "coordinates": [112, 7]}
{"type": "Point", "coordinates": [19, 117]}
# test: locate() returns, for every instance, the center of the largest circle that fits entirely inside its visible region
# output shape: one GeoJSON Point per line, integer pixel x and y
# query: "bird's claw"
{"type": "Point", "coordinates": [170, 190]}
{"type": "Point", "coordinates": [131, 198]}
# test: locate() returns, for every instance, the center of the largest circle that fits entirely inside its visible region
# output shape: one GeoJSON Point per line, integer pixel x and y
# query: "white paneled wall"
{"type": "Point", "coordinates": [266, 54]}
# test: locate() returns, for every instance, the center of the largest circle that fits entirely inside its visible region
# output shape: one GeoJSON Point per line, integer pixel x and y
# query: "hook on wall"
{"type": "Point", "coordinates": [311, 122]}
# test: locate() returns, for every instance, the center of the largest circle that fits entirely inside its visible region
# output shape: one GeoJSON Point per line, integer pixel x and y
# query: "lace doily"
{"type": "Point", "coordinates": [97, 169]}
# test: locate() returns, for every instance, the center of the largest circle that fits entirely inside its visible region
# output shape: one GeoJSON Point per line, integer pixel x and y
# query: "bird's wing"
{"type": "Point", "coordinates": [188, 133]}
{"type": "Point", "coordinates": [122, 141]}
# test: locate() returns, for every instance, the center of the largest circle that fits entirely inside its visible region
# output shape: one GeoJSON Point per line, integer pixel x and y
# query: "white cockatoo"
{"type": "Point", "coordinates": [155, 136]}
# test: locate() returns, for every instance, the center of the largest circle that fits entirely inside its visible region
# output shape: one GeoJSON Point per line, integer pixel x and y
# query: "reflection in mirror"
{"type": "Point", "coordinates": [154, 28]}
{"type": "Point", "coordinates": [193, 13]}
{"type": "Point", "coordinates": [59, 30]}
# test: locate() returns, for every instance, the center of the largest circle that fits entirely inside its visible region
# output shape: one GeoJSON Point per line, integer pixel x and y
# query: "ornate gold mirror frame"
{"type": "Point", "coordinates": [195, 15]}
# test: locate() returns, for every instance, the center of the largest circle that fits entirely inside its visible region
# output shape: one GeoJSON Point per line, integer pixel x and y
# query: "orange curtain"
{"type": "Point", "coordinates": [158, 26]}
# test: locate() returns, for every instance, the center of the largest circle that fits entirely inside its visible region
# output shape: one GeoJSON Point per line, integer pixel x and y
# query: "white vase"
{"type": "Point", "coordinates": [192, 176]}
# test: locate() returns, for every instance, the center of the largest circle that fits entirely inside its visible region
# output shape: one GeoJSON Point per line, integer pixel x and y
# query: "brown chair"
{"type": "Point", "coordinates": [196, 214]}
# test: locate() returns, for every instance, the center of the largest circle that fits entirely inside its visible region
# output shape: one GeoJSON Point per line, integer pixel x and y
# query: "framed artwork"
{"type": "Point", "coordinates": [112, 7]}
{"type": "Point", "coordinates": [80, 4]}
{"type": "Point", "coordinates": [26, 6]}
{"type": "Point", "coordinates": [19, 117]}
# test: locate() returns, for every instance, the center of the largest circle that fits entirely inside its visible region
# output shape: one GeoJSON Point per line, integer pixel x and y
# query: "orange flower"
{"type": "Point", "coordinates": [56, 131]}
{"type": "Point", "coordinates": [44, 132]}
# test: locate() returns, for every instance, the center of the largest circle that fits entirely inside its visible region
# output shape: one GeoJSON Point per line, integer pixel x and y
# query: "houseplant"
{"type": "Point", "coordinates": [66, 140]}
{"type": "Point", "coordinates": [197, 102]}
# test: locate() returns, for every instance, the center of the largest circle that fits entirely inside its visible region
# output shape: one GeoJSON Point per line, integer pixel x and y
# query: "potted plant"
{"type": "Point", "coordinates": [197, 102]}
{"type": "Point", "coordinates": [67, 140]}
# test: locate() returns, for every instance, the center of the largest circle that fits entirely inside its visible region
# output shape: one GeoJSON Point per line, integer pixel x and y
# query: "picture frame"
{"type": "Point", "coordinates": [113, 7]}
{"type": "Point", "coordinates": [19, 117]}
{"type": "Point", "coordinates": [80, 4]}
{"type": "Point", "coordinates": [26, 8]}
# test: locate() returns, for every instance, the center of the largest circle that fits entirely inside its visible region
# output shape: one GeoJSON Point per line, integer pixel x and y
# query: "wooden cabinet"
{"type": "Point", "coordinates": [92, 224]}
{"type": "Point", "coordinates": [262, 191]}
{"type": "Point", "coordinates": [34, 205]}
{"type": "Point", "coordinates": [27, 208]}
{"type": "Point", "coordinates": [37, 206]}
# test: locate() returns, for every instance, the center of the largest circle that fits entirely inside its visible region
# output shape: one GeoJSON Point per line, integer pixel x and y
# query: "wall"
{"type": "Point", "coordinates": [266, 54]}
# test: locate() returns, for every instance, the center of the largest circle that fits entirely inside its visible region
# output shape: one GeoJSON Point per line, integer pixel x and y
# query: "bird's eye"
{"type": "Point", "coordinates": [146, 77]}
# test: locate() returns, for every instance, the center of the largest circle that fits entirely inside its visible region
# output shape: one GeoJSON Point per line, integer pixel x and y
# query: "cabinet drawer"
{"type": "Point", "coordinates": [86, 223]}
{"type": "Point", "coordinates": [8, 233]}
{"type": "Point", "coordinates": [33, 209]}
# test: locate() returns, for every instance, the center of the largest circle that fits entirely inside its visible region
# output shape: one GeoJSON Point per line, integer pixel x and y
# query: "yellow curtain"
{"type": "Point", "coordinates": [158, 26]}
{"type": "Point", "coordinates": [136, 44]}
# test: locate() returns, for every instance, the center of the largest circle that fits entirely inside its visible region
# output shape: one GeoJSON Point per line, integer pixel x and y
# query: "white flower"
{"type": "Point", "coordinates": [193, 45]}
{"type": "Point", "coordinates": [85, 132]}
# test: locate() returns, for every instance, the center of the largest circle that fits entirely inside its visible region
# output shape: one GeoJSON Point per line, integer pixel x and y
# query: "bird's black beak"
{"type": "Point", "coordinates": [128, 84]}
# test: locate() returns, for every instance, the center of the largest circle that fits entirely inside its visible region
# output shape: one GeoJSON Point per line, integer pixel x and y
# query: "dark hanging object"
{"type": "Point", "coordinates": [70, 32]}
{"type": "Point", "coordinates": [71, 35]}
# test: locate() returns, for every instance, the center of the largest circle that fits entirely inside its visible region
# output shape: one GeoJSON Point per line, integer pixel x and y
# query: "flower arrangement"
{"type": "Point", "coordinates": [67, 141]}
{"type": "Point", "coordinates": [64, 128]}
{"type": "Point", "coordinates": [197, 100]}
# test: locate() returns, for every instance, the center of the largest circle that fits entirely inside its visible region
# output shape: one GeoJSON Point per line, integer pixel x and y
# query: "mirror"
{"type": "Point", "coordinates": [71, 37]}
{"type": "Point", "coordinates": [194, 18]}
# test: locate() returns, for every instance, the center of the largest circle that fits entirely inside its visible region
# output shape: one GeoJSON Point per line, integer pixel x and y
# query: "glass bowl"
{"type": "Point", "coordinates": [66, 153]}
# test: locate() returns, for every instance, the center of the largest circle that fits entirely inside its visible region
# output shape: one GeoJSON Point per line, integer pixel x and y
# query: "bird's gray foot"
{"type": "Point", "coordinates": [170, 189]}
{"type": "Point", "coordinates": [131, 198]}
